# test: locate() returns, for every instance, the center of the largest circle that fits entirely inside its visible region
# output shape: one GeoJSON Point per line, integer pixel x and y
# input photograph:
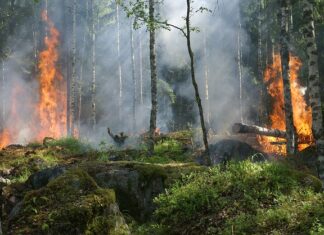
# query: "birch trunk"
{"type": "Point", "coordinates": [206, 75]}
{"type": "Point", "coordinates": [120, 100]}
{"type": "Point", "coordinates": [93, 81]}
{"type": "Point", "coordinates": [67, 29]}
{"type": "Point", "coordinates": [153, 77]}
{"type": "Point", "coordinates": [141, 70]}
{"type": "Point", "coordinates": [314, 84]}
{"type": "Point", "coordinates": [133, 77]}
{"type": "Point", "coordinates": [73, 81]}
{"type": "Point", "coordinates": [239, 65]}
{"type": "Point", "coordinates": [3, 89]}
{"type": "Point", "coordinates": [260, 72]}
{"type": "Point", "coordinates": [284, 53]}
{"type": "Point", "coordinates": [80, 83]}
{"type": "Point", "coordinates": [194, 83]}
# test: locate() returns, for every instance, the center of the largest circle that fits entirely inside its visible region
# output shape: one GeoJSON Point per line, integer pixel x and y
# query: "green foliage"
{"type": "Point", "coordinates": [248, 198]}
{"type": "Point", "coordinates": [71, 204]}
{"type": "Point", "coordinates": [71, 145]}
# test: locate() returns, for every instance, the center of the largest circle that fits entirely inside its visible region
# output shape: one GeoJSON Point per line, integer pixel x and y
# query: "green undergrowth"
{"type": "Point", "coordinates": [246, 198]}
{"type": "Point", "coordinates": [71, 145]}
{"type": "Point", "coordinates": [71, 204]}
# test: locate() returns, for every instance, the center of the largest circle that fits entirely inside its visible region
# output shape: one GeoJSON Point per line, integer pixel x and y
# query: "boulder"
{"type": "Point", "coordinates": [137, 184]}
{"type": "Point", "coordinates": [43, 177]}
{"type": "Point", "coordinates": [70, 204]}
{"type": "Point", "coordinates": [233, 150]}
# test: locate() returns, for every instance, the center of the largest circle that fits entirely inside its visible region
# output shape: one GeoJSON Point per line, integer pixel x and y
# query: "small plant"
{"type": "Point", "coordinates": [71, 145]}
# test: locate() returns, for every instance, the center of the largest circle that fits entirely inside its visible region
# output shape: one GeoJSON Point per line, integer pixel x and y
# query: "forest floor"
{"type": "Point", "coordinates": [67, 187]}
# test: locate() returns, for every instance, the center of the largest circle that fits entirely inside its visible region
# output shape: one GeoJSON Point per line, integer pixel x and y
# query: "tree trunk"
{"type": "Point", "coordinates": [284, 53]}
{"type": "Point", "coordinates": [194, 83]}
{"type": "Point", "coordinates": [120, 100]}
{"type": "Point", "coordinates": [133, 77]}
{"type": "Point", "coordinates": [3, 89]}
{"type": "Point", "coordinates": [93, 81]}
{"type": "Point", "coordinates": [141, 70]}
{"type": "Point", "coordinates": [239, 65]}
{"type": "Point", "coordinates": [67, 29]}
{"type": "Point", "coordinates": [243, 128]}
{"type": "Point", "coordinates": [35, 37]}
{"type": "Point", "coordinates": [153, 77]}
{"type": "Point", "coordinates": [206, 73]}
{"type": "Point", "coordinates": [73, 81]}
{"type": "Point", "coordinates": [260, 73]}
{"type": "Point", "coordinates": [80, 82]}
{"type": "Point", "coordinates": [314, 84]}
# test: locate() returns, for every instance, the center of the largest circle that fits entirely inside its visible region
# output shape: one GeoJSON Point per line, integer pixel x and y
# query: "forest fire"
{"type": "Point", "coordinates": [302, 113]}
{"type": "Point", "coordinates": [50, 116]}
{"type": "Point", "coordinates": [52, 92]}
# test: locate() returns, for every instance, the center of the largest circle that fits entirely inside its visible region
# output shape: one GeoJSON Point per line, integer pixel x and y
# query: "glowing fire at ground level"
{"type": "Point", "coordinates": [50, 116]}
{"type": "Point", "coordinates": [302, 113]}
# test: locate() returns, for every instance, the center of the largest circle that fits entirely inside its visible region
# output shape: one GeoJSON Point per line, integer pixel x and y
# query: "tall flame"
{"type": "Point", "coordinates": [52, 92]}
{"type": "Point", "coordinates": [50, 116]}
{"type": "Point", "coordinates": [302, 113]}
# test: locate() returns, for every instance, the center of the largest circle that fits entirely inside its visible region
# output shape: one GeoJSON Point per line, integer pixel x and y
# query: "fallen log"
{"type": "Point", "coordinates": [243, 128]}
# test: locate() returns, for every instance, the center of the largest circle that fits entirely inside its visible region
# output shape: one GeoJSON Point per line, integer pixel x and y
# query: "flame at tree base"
{"type": "Point", "coordinates": [302, 113]}
{"type": "Point", "coordinates": [48, 117]}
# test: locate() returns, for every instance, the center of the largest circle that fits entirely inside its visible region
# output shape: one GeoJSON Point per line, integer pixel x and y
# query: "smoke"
{"type": "Point", "coordinates": [218, 29]}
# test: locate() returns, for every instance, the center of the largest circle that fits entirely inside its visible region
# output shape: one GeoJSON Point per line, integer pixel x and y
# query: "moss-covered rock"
{"type": "Point", "coordinates": [71, 204]}
{"type": "Point", "coordinates": [136, 184]}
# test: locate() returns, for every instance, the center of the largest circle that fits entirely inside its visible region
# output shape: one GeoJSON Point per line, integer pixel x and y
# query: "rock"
{"type": "Point", "coordinates": [43, 177]}
{"type": "Point", "coordinates": [70, 204]}
{"type": "Point", "coordinates": [4, 181]}
{"type": "Point", "coordinates": [233, 150]}
{"type": "Point", "coordinates": [137, 184]}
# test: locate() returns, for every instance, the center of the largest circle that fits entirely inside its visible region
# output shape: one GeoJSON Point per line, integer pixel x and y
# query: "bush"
{"type": "Point", "coordinates": [71, 145]}
{"type": "Point", "coordinates": [246, 198]}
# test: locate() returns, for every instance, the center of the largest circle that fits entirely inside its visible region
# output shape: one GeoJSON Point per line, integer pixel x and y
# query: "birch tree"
{"type": "Point", "coordinates": [314, 83]}
{"type": "Point", "coordinates": [284, 53]}
{"type": "Point", "coordinates": [93, 66]}
{"type": "Point", "coordinates": [73, 80]}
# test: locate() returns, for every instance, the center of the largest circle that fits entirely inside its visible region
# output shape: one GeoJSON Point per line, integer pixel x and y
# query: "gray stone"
{"type": "Point", "coordinates": [43, 177]}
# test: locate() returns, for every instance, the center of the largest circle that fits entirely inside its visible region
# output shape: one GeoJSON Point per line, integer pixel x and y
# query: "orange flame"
{"type": "Point", "coordinates": [52, 102]}
{"type": "Point", "coordinates": [50, 117]}
{"type": "Point", "coordinates": [302, 113]}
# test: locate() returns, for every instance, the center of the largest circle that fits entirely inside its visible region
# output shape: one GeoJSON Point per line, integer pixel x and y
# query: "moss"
{"type": "Point", "coordinates": [67, 205]}
{"type": "Point", "coordinates": [249, 198]}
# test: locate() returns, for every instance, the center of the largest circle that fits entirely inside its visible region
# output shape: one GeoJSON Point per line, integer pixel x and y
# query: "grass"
{"type": "Point", "coordinates": [250, 198]}
{"type": "Point", "coordinates": [71, 145]}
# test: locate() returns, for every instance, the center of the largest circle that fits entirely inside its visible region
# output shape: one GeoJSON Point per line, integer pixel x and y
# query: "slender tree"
{"type": "Point", "coordinates": [93, 65]}
{"type": "Point", "coordinates": [73, 80]}
{"type": "Point", "coordinates": [206, 76]}
{"type": "Point", "coordinates": [133, 76]}
{"type": "Point", "coordinates": [84, 50]}
{"type": "Point", "coordinates": [120, 76]}
{"type": "Point", "coordinates": [153, 116]}
{"type": "Point", "coordinates": [284, 53]}
{"type": "Point", "coordinates": [193, 78]}
{"type": "Point", "coordinates": [239, 66]}
{"type": "Point", "coordinates": [314, 83]}
{"type": "Point", "coordinates": [141, 70]}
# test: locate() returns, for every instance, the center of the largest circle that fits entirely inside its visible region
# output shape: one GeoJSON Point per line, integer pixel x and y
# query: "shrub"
{"type": "Point", "coordinates": [246, 198]}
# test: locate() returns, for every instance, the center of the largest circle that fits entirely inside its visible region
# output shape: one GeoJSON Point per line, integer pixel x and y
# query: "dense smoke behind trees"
{"type": "Point", "coordinates": [176, 104]}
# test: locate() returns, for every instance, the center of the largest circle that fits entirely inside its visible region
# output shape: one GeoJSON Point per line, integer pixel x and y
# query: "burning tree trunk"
{"type": "Point", "coordinates": [242, 128]}
{"type": "Point", "coordinates": [193, 77]}
{"type": "Point", "coordinates": [133, 77]}
{"type": "Point", "coordinates": [284, 53]}
{"type": "Point", "coordinates": [93, 82]}
{"type": "Point", "coordinates": [73, 81]}
{"type": "Point", "coordinates": [314, 84]}
{"type": "Point", "coordinates": [153, 76]}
